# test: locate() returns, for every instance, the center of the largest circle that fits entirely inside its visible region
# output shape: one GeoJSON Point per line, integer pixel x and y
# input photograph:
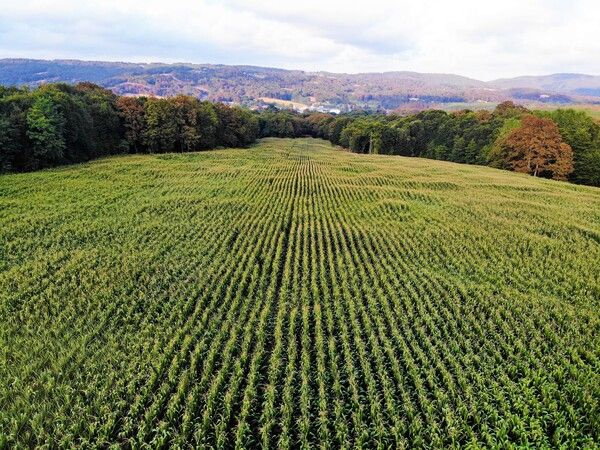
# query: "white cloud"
{"type": "Point", "coordinates": [480, 39]}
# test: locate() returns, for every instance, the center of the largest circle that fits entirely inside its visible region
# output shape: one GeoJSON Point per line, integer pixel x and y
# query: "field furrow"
{"type": "Point", "coordinates": [293, 295]}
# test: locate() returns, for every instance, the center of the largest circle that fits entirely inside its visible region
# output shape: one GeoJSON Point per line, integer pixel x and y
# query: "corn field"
{"type": "Point", "coordinates": [294, 295]}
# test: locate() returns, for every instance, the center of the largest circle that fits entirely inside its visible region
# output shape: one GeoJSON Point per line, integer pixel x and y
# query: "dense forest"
{"type": "Point", "coordinates": [60, 124]}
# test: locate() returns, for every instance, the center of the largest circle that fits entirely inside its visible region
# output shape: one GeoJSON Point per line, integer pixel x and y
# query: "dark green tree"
{"type": "Point", "coordinates": [131, 111]}
{"type": "Point", "coordinates": [45, 129]}
{"type": "Point", "coordinates": [161, 126]}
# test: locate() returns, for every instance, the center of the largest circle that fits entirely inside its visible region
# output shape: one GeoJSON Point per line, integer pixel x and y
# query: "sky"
{"type": "Point", "coordinates": [481, 39]}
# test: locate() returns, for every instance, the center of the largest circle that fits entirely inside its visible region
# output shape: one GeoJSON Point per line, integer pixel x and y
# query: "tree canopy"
{"type": "Point", "coordinates": [59, 124]}
{"type": "Point", "coordinates": [537, 148]}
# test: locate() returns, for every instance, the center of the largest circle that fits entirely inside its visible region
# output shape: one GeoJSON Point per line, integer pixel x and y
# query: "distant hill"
{"type": "Point", "coordinates": [259, 86]}
{"type": "Point", "coordinates": [566, 83]}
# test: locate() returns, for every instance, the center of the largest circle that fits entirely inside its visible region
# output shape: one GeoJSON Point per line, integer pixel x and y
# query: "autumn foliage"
{"type": "Point", "coordinates": [537, 148]}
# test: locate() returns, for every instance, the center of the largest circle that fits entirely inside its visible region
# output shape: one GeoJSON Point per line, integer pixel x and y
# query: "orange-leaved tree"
{"type": "Point", "coordinates": [537, 148]}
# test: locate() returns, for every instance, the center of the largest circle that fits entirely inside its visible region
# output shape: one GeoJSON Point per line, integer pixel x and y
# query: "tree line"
{"type": "Point", "coordinates": [563, 144]}
{"type": "Point", "coordinates": [60, 124]}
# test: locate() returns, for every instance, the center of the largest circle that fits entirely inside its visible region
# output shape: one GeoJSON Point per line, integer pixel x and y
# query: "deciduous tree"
{"type": "Point", "coordinates": [131, 111]}
{"type": "Point", "coordinates": [537, 148]}
{"type": "Point", "coordinates": [45, 129]}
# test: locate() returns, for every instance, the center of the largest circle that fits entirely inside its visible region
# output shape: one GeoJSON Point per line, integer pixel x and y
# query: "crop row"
{"type": "Point", "coordinates": [296, 296]}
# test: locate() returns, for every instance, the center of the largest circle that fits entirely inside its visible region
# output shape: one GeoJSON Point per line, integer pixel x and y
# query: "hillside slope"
{"type": "Point", "coordinates": [293, 294]}
{"type": "Point", "coordinates": [573, 83]}
{"type": "Point", "coordinates": [251, 85]}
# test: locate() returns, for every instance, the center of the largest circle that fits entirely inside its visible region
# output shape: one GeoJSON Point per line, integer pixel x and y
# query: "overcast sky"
{"type": "Point", "coordinates": [481, 39]}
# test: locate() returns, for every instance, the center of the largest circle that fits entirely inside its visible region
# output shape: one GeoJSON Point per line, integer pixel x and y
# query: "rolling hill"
{"type": "Point", "coordinates": [294, 294]}
{"type": "Point", "coordinates": [250, 85]}
{"type": "Point", "coordinates": [567, 83]}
